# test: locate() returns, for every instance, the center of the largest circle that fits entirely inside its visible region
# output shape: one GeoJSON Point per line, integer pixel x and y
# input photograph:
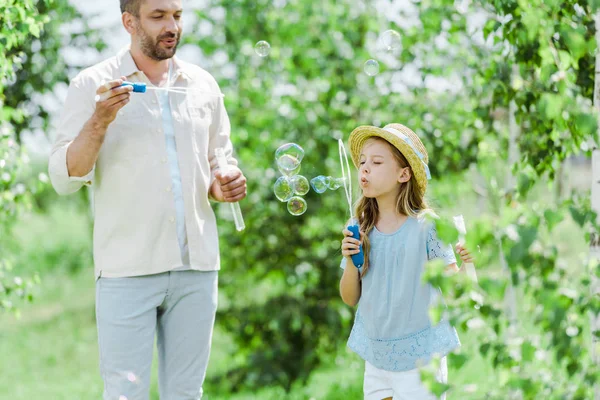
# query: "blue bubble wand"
{"type": "Point", "coordinates": [142, 87]}
{"type": "Point", "coordinates": [353, 226]}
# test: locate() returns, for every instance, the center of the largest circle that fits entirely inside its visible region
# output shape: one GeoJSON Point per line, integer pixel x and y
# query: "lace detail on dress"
{"type": "Point", "coordinates": [405, 353]}
{"type": "Point", "coordinates": [437, 249]}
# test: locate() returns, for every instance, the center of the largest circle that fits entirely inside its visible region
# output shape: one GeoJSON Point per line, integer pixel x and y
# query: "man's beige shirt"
{"type": "Point", "coordinates": [134, 209]}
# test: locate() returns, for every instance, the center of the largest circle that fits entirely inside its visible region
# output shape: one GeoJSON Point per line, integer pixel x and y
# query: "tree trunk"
{"type": "Point", "coordinates": [510, 296]}
{"type": "Point", "coordinates": [594, 242]}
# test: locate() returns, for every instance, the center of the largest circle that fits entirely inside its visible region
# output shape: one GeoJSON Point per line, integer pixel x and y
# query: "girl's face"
{"type": "Point", "coordinates": [380, 173]}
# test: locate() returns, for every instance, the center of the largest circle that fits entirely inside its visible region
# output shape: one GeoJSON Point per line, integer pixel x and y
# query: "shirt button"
{"type": "Point", "coordinates": [172, 219]}
{"type": "Point", "coordinates": [168, 189]}
{"type": "Point", "coordinates": [164, 160]}
{"type": "Point", "coordinates": [158, 131]}
{"type": "Point", "coordinates": [154, 101]}
{"type": "Point", "coordinates": [121, 113]}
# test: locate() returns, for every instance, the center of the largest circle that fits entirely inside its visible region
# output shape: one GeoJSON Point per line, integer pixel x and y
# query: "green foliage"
{"type": "Point", "coordinates": [280, 276]}
{"type": "Point", "coordinates": [31, 66]}
{"type": "Point", "coordinates": [21, 21]}
{"type": "Point", "coordinates": [538, 56]}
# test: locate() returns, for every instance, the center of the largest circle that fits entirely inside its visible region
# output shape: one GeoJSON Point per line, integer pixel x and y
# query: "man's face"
{"type": "Point", "coordinates": [159, 27]}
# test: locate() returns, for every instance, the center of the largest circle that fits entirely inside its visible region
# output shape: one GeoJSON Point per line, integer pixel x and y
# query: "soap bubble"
{"type": "Point", "coordinates": [391, 40]}
{"type": "Point", "coordinates": [297, 206]}
{"type": "Point", "coordinates": [318, 184]}
{"type": "Point", "coordinates": [283, 188]}
{"type": "Point", "coordinates": [300, 185]}
{"type": "Point", "coordinates": [288, 157]}
{"type": "Point", "coordinates": [288, 165]}
{"type": "Point", "coordinates": [335, 183]}
{"type": "Point", "coordinates": [291, 149]}
{"type": "Point", "coordinates": [371, 67]}
{"type": "Point", "coordinates": [262, 48]}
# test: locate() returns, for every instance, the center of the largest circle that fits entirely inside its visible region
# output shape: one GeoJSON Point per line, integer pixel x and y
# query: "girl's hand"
{"type": "Point", "coordinates": [465, 255]}
{"type": "Point", "coordinates": [349, 244]}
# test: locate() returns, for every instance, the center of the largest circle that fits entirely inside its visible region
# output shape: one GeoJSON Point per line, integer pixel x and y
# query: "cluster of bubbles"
{"type": "Point", "coordinates": [321, 183]}
{"type": "Point", "coordinates": [390, 40]}
{"type": "Point", "coordinates": [290, 186]}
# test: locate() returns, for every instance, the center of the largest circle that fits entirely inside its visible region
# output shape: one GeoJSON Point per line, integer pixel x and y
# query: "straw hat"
{"type": "Point", "coordinates": [404, 140]}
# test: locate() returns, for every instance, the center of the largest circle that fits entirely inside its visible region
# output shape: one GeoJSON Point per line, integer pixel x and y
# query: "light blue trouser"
{"type": "Point", "coordinates": [180, 307]}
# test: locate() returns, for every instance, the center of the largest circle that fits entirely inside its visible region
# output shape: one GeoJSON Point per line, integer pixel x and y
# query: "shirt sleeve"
{"type": "Point", "coordinates": [343, 263]}
{"type": "Point", "coordinates": [438, 249]}
{"type": "Point", "coordinates": [219, 136]}
{"type": "Point", "coordinates": [78, 108]}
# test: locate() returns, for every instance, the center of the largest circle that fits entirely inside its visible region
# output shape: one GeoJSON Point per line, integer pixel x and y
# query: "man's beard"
{"type": "Point", "coordinates": [153, 49]}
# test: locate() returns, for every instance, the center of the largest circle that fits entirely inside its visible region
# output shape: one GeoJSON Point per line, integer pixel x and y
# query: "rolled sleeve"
{"type": "Point", "coordinates": [59, 173]}
{"type": "Point", "coordinates": [78, 108]}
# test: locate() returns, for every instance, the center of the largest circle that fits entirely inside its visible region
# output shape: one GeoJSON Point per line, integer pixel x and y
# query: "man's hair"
{"type": "Point", "coordinates": [131, 6]}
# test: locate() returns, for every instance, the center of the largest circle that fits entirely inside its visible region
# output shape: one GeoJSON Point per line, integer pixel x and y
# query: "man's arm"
{"type": "Point", "coordinates": [73, 157]}
{"type": "Point", "coordinates": [83, 151]}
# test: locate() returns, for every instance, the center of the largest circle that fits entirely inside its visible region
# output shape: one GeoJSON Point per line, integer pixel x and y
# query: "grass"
{"type": "Point", "coordinates": [51, 352]}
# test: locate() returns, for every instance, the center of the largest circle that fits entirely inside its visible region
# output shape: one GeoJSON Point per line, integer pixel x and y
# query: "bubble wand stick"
{"type": "Point", "coordinates": [235, 207]}
{"type": "Point", "coordinates": [359, 258]}
{"type": "Point", "coordinates": [459, 223]}
{"type": "Point", "coordinates": [141, 87]}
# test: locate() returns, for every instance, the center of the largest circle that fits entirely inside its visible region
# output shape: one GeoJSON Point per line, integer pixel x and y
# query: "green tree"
{"type": "Point", "coordinates": [31, 66]}
{"type": "Point", "coordinates": [534, 63]}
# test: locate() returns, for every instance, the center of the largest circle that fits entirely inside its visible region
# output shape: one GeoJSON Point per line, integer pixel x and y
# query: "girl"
{"type": "Point", "coordinates": [392, 331]}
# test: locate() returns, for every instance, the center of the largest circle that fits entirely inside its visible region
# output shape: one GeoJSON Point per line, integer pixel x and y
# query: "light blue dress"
{"type": "Point", "coordinates": [392, 329]}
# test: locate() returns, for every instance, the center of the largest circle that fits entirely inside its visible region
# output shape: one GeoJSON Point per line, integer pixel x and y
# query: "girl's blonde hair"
{"type": "Point", "coordinates": [408, 202]}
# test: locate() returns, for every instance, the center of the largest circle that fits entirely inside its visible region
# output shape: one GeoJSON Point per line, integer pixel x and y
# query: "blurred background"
{"type": "Point", "coordinates": [502, 94]}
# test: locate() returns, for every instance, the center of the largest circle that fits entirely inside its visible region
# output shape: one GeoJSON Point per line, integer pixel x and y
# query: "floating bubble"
{"type": "Point", "coordinates": [300, 185]}
{"type": "Point", "coordinates": [318, 184]}
{"type": "Point", "coordinates": [288, 165]}
{"type": "Point", "coordinates": [288, 157]}
{"type": "Point", "coordinates": [262, 48]}
{"type": "Point", "coordinates": [283, 188]}
{"type": "Point", "coordinates": [297, 206]}
{"type": "Point", "coordinates": [335, 183]}
{"type": "Point", "coordinates": [371, 67]}
{"type": "Point", "coordinates": [391, 40]}
{"type": "Point", "coordinates": [291, 149]}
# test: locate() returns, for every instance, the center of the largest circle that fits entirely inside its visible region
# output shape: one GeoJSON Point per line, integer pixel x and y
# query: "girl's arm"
{"type": "Point", "coordinates": [350, 285]}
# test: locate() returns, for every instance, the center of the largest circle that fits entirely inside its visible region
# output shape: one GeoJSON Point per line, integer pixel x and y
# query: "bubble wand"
{"type": "Point", "coordinates": [359, 258]}
{"type": "Point", "coordinates": [459, 223]}
{"type": "Point", "coordinates": [235, 207]}
{"type": "Point", "coordinates": [142, 87]}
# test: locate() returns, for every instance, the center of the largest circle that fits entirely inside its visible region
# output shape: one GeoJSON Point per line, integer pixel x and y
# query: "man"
{"type": "Point", "coordinates": [151, 160]}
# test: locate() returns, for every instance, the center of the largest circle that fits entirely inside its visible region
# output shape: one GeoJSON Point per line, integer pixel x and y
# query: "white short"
{"type": "Point", "coordinates": [406, 385]}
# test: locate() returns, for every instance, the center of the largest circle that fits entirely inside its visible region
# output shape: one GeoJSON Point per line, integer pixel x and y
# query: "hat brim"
{"type": "Point", "coordinates": [360, 135]}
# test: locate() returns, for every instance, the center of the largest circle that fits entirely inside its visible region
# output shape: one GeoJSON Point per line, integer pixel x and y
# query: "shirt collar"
{"type": "Point", "coordinates": [127, 66]}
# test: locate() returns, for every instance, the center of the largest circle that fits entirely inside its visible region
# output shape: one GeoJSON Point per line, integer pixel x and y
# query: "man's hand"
{"type": "Point", "coordinates": [229, 187]}
{"type": "Point", "coordinates": [111, 98]}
